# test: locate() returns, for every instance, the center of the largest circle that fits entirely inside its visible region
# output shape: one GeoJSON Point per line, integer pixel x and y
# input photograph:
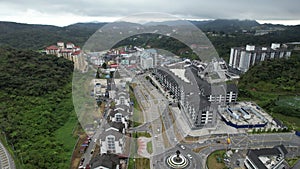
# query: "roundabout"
{"type": "Point", "coordinates": [177, 161]}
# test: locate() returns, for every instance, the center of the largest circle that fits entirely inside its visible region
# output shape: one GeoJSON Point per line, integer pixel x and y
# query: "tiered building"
{"type": "Point", "coordinates": [68, 51]}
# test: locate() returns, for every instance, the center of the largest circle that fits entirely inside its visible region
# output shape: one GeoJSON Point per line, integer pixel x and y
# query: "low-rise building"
{"type": "Point", "coordinates": [112, 139]}
{"type": "Point", "coordinates": [106, 161]}
{"type": "Point", "coordinates": [266, 158]}
{"type": "Point", "coordinates": [244, 115]}
{"type": "Point", "coordinates": [122, 98]}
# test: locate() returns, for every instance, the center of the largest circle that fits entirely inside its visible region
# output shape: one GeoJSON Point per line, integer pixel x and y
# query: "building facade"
{"type": "Point", "coordinates": [242, 58]}
{"type": "Point", "coordinates": [148, 58]}
{"type": "Point", "coordinates": [68, 51]}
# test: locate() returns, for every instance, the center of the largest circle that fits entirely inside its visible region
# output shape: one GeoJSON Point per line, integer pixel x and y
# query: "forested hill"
{"type": "Point", "coordinates": [35, 104]}
{"type": "Point", "coordinates": [275, 86]}
{"type": "Point", "coordinates": [230, 33]}
{"type": "Point", "coordinates": [277, 75]}
{"type": "Point", "coordinates": [36, 37]}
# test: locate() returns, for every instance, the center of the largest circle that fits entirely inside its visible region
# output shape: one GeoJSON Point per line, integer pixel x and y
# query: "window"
{"type": "Point", "coordinates": [118, 117]}
{"type": "Point", "coordinates": [122, 100]}
{"type": "Point", "coordinates": [111, 143]}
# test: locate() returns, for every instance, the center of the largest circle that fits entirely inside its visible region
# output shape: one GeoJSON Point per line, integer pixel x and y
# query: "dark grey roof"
{"type": "Point", "coordinates": [117, 125]}
{"type": "Point", "coordinates": [232, 87]}
{"type": "Point", "coordinates": [113, 132]}
{"type": "Point", "coordinates": [105, 160]}
{"type": "Point", "coordinates": [191, 89]}
{"type": "Point", "coordinates": [124, 113]}
{"type": "Point", "coordinates": [254, 154]}
{"type": "Point", "coordinates": [122, 93]}
{"type": "Point", "coordinates": [123, 109]}
{"type": "Point", "coordinates": [282, 149]}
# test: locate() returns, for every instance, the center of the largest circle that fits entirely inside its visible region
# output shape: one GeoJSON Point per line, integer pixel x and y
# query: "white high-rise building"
{"type": "Point", "coordinates": [242, 58]}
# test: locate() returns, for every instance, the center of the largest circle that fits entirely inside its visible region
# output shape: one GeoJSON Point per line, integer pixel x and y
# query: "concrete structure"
{"type": "Point", "coordinates": [242, 58]}
{"type": "Point", "coordinates": [100, 86]}
{"type": "Point", "coordinates": [244, 115]}
{"type": "Point", "coordinates": [266, 158]}
{"type": "Point", "coordinates": [148, 58]}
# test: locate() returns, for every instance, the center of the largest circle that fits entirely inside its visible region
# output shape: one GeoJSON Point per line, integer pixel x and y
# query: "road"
{"type": "Point", "coordinates": [94, 140]}
{"type": "Point", "coordinates": [6, 161]}
{"type": "Point", "coordinates": [155, 108]}
{"type": "Point", "coordinates": [149, 98]}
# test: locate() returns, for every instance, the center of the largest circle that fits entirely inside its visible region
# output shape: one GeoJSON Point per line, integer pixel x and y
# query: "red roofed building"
{"type": "Point", "coordinates": [70, 52]}
{"type": "Point", "coordinates": [52, 50]}
{"type": "Point", "coordinates": [114, 66]}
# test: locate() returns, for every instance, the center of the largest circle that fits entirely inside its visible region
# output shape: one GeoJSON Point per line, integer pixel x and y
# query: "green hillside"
{"type": "Point", "coordinates": [275, 86]}
{"type": "Point", "coordinates": [36, 103]}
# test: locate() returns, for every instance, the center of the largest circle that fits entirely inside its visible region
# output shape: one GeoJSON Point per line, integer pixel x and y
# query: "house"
{"type": "Point", "coordinates": [100, 86]}
{"type": "Point", "coordinates": [117, 116]}
{"type": "Point", "coordinates": [124, 110]}
{"type": "Point", "coordinates": [112, 139]}
{"type": "Point", "coordinates": [266, 158]}
{"type": "Point", "coordinates": [52, 50]}
{"type": "Point", "coordinates": [122, 98]}
{"type": "Point", "coordinates": [106, 161]}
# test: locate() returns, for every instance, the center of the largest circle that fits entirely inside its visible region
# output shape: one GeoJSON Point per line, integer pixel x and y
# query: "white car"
{"type": "Point", "coordinates": [190, 156]}
{"type": "Point", "coordinates": [182, 147]}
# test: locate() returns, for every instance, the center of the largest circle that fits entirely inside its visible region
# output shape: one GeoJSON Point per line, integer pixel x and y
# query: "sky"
{"type": "Point", "coordinates": [66, 12]}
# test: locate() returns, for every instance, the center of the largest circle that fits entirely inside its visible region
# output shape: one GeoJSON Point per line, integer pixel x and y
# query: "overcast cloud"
{"type": "Point", "coordinates": [65, 12]}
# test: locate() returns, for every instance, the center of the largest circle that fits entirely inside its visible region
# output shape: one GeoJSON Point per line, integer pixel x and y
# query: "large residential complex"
{"type": "Point", "coordinates": [68, 51]}
{"type": "Point", "coordinates": [242, 58]}
{"type": "Point", "coordinates": [193, 93]}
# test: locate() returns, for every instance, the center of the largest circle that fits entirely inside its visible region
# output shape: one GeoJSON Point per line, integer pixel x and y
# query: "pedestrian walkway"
{"type": "Point", "coordinates": [142, 147]}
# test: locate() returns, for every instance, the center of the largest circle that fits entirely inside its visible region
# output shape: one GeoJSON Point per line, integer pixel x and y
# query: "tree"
{"type": "Point", "coordinates": [104, 65]}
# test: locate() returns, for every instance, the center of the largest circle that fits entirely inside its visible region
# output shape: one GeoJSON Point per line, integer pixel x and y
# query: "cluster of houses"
{"type": "Point", "coordinates": [68, 51]}
{"type": "Point", "coordinates": [112, 141]}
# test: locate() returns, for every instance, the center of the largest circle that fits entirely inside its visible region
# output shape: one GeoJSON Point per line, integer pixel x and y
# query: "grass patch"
{"type": "Point", "coordinates": [65, 135]}
{"type": "Point", "coordinates": [292, 161]}
{"type": "Point", "coordinates": [279, 105]}
{"type": "Point", "coordinates": [139, 163]}
{"type": "Point", "coordinates": [138, 117]}
{"type": "Point", "coordinates": [143, 134]}
{"type": "Point", "coordinates": [215, 160]}
{"type": "Point", "coordinates": [149, 147]}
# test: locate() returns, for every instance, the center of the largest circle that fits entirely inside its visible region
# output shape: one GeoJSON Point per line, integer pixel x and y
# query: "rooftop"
{"type": "Point", "coordinates": [105, 160]}
{"type": "Point", "coordinates": [267, 157]}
